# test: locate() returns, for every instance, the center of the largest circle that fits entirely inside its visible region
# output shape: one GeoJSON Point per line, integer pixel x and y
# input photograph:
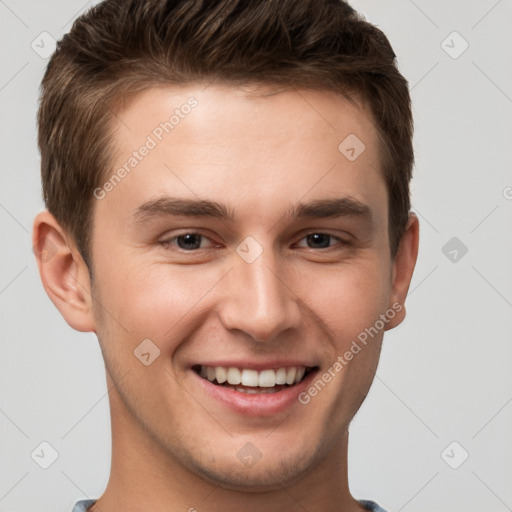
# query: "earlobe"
{"type": "Point", "coordinates": [403, 268]}
{"type": "Point", "coordinates": [63, 272]}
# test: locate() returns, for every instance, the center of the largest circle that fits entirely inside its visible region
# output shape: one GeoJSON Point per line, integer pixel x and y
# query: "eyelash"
{"type": "Point", "coordinates": [173, 241]}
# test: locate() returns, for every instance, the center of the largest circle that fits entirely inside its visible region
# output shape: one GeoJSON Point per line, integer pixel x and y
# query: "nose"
{"type": "Point", "coordinates": [259, 300]}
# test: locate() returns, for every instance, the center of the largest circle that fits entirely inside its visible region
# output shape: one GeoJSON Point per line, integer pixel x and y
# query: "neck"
{"type": "Point", "coordinates": [144, 476]}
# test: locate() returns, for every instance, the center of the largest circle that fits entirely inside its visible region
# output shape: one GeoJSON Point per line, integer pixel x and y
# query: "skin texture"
{"type": "Point", "coordinates": [259, 153]}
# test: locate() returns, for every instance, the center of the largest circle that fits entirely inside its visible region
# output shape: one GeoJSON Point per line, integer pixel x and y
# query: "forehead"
{"type": "Point", "coordinates": [251, 147]}
{"type": "Point", "coordinates": [268, 112]}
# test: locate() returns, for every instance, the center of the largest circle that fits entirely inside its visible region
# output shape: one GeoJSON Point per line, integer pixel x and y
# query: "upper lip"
{"type": "Point", "coordinates": [256, 365]}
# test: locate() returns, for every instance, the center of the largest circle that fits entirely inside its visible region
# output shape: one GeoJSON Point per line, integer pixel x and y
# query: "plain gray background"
{"type": "Point", "coordinates": [443, 390]}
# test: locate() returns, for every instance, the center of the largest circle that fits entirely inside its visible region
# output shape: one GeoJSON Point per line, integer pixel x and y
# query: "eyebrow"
{"type": "Point", "coordinates": [320, 208]}
{"type": "Point", "coordinates": [337, 207]}
{"type": "Point", "coordinates": [165, 206]}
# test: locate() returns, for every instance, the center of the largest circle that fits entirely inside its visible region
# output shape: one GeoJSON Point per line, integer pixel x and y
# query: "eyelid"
{"type": "Point", "coordinates": [340, 239]}
{"type": "Point", "coordinates": [171, 238]}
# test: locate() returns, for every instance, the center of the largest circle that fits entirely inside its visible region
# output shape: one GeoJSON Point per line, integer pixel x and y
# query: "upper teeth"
{"type": "Point", "coordinates": [247, 377]}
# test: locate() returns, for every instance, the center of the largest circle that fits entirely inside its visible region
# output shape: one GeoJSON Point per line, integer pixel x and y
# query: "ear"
{"type": "Point", "coordinates": [63, 272]}
{"type": "Point", "coordinates": [403, 267]}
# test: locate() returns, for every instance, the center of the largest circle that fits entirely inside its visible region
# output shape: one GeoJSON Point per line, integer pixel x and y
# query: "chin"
{"type": "Point", "coordinates": [269, 473]}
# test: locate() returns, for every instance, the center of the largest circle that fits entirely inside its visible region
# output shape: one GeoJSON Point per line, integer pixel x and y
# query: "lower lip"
{"type": "Point", "coordinates": [258, 404]}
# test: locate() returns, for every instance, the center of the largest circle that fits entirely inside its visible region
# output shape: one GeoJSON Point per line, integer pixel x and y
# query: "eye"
{"type": "Point", "coordinates": [188, 241]}
{"type": "Point", "coordinates": [320, 241]}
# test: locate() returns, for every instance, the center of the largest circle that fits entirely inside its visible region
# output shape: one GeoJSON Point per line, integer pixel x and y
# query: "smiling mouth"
{"type": "Point", "coordinates": [246, 380]}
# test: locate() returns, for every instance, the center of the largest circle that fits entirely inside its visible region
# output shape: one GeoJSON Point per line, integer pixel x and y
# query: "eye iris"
{"type": "Point", "coordinates": [189, 241]}
{"type": "Point", "coordinates": [319, 240]}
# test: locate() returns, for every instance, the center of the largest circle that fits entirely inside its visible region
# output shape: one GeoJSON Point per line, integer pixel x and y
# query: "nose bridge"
{"type": "Point", "coordinates": [258, 302]}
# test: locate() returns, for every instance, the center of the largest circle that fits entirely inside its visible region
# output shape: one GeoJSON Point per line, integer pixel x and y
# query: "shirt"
{"type": "Point", "coordinates": [82, 505]}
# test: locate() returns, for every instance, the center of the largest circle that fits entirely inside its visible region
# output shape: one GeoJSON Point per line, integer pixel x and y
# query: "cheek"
{"type": "Point", "coordinates": [155, 301]}
{"type": "Point", "coordinates": [349, 298]}
{"type": "Point", "coordinates": [163, 302]}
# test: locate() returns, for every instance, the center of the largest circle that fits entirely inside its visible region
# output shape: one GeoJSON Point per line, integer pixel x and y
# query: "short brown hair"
{"type": "Point", "coordinates": [121, 47]}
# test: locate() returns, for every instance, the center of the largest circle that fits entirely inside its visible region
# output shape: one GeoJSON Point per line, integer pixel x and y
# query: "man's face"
{"type": "Point", "coordinates": [244, 240]}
